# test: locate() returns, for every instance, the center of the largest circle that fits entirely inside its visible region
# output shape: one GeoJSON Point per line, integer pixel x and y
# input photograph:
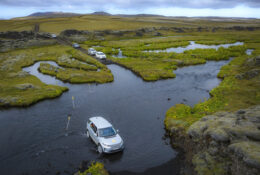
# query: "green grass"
{"type": "Point", "coordinates": [75, 75]}
{"type": "Point", "coordinates": [149, 70]}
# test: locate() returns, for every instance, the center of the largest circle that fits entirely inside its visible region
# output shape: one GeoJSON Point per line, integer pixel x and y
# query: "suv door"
{"type": "Point", "coordinates": [93, 132]}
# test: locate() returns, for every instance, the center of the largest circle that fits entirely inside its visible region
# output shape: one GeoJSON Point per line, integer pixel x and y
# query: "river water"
{"type": "Point", "coordinates": [34, 140]}
{"type": "Point", "coordinates": [194, 45]}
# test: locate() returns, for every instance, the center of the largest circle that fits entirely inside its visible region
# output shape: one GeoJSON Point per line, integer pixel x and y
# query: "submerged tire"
{"type": "Point", "coordinates": [100, 150]}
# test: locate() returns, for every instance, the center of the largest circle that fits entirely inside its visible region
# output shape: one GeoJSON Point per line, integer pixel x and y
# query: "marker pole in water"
{"type": "Point", "coordinates": [73, 103]}
{"type": "Point", "coordinates": [68, 123]}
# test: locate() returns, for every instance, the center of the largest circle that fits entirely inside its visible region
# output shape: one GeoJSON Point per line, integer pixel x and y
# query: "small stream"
{"type": "Point", "coordinates": [44, 78]}
{"type": "Point", "coordinates": [119, 55]}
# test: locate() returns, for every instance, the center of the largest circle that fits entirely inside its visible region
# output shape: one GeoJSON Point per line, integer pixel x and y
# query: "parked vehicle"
{"type": "Point", "coordinates": [104, 135]}
{"type": "Point", "coordinates": [75, 45]}
{"type": "Point", "coordinates": [92, 51]}
{"type": "Point", "coordinates": [100, 55]}
{"type": "Point", "coordinates": [53, 36]}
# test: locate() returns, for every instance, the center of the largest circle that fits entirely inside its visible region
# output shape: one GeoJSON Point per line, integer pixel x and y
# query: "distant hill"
{"type": "Point", "coordinates": [101, 13]}
{"type": "Point", "coordinates": [140, 15]}
{"type": "Point", "coordinates": [53, 14]}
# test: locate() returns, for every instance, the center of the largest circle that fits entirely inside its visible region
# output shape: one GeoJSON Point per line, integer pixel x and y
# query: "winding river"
{"type": "Point", "coordinates": [34, 140]}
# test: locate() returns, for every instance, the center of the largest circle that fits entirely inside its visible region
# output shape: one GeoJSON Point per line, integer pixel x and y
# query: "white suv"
{"type": "Point", "coordinates": [92, 51]}
{"type": "Point", "coordinates": [104, 135]}
{"type": "Point", "coordinates": [75, 45]}
{"type": "Point", "coordinates": [101, 55]}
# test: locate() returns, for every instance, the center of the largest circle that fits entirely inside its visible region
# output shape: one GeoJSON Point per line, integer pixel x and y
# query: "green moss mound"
{"type": "Point", "coordinates": [95, 169]}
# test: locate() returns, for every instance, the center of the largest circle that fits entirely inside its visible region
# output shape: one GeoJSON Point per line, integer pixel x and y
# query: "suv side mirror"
{"type": "Point", "coordinates": [117, 130]}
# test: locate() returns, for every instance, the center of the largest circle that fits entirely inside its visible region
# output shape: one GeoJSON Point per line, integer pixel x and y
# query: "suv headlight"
{"type": "Point", "coordinates": [106, 145]}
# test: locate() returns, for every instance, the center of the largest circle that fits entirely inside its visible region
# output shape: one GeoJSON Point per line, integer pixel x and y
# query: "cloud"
{"type": "Point", "coordinates": [235, 8]}
{"type": "Point", "coordinates": [132, 4]}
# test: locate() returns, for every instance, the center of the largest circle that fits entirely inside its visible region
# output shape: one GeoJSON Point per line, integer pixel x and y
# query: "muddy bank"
{"type": "Point", "coordinates": [222, 143]}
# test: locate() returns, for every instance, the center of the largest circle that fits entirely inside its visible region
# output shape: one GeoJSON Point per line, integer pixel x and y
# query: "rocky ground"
{"type": "Point", "coordinates": [222, 143]}
{"type": "Point", "coordinates": [19, 40]}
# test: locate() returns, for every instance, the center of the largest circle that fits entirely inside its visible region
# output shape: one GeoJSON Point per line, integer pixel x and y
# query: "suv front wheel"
{"type": "Point", "coordinates": [100, 149]}
{"type": "Point", "coordinates": [87, 134]}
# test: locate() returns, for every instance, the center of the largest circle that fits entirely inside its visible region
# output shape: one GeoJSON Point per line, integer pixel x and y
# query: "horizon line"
{"type": "Point", "coordinates": [148, 14]}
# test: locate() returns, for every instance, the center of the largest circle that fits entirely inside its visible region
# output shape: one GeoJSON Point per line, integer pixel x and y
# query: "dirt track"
{"type": "Point", "coordinates": [69, 43]}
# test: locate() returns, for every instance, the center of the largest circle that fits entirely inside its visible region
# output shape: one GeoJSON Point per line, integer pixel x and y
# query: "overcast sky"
{"type": "Point", "coordinates": [229, 8]}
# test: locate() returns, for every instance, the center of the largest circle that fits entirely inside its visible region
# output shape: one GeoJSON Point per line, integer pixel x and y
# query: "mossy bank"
{"type": "Point", "coordinates": [223, 142]}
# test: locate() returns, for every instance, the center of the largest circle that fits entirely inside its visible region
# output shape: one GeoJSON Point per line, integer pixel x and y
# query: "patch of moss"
{"type": "Point", "coordinates": [13, 94]}
{"type": "Point", "coordinates": [149, 70]}
{"type": "Point", "coordinates": [205, 164]}
{"type": "Point", "coordinates": [75, 75]}
{"type": "Point", "coordinates": [95, 169]}
{"type": "Point", "coordinates": [249, 150]}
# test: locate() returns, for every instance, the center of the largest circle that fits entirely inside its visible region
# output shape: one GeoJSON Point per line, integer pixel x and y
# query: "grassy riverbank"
{"type": "Point", "coordinates": [240, 88]}
{"type": "Point", "coordinates": [18, 88]}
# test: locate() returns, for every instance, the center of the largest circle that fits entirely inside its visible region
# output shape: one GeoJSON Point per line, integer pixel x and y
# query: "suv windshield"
{"type": "Point", "coordinates": [106, 132]}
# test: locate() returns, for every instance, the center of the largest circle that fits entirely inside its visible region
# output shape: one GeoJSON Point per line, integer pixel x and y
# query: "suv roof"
{"type": "Point", "coordinates": [100, 122]}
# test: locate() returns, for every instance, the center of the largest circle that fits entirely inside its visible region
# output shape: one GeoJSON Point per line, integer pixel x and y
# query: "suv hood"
{"type": "Point", "coordinates": [114, 140]}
